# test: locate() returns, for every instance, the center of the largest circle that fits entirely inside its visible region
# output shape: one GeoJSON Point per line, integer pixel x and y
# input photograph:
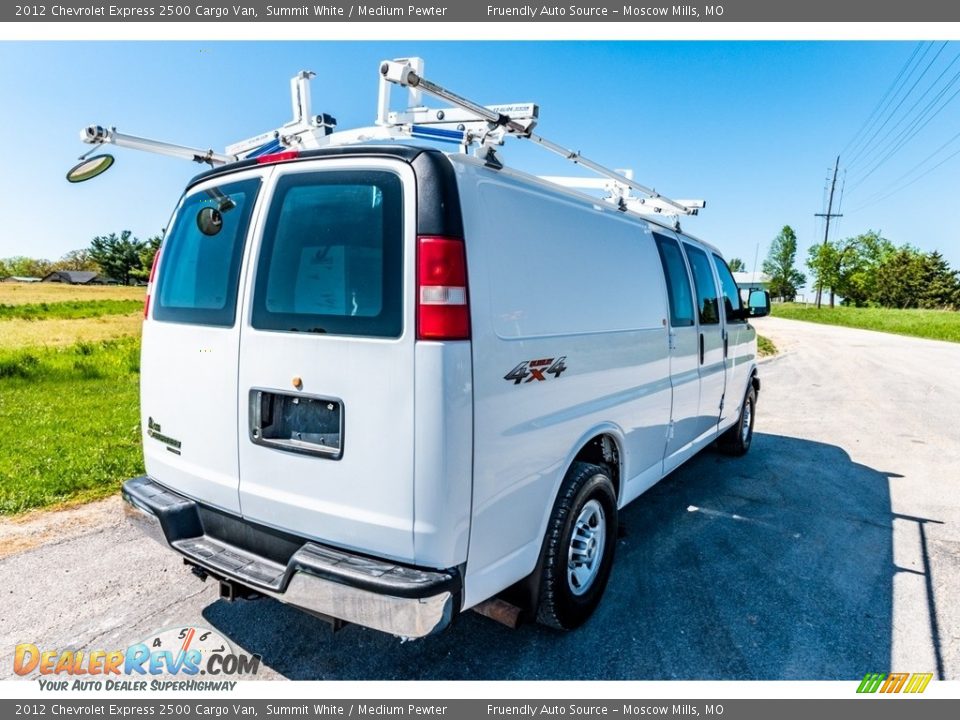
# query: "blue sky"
{"type": "Point", "coordinates": [752, 127]}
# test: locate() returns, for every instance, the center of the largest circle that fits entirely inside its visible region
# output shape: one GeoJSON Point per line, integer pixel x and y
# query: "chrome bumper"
{"type": "Point", "coordinates": [397, 599]}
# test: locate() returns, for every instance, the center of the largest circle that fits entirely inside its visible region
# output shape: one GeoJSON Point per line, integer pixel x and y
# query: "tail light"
{"type": "Point", "coordinates": [443, 311]}
{"type": "Point", "coordinates": [153, 272]}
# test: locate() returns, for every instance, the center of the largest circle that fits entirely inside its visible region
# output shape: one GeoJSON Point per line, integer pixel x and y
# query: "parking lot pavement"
{"type": "Point", "coordinates": [831, 550]}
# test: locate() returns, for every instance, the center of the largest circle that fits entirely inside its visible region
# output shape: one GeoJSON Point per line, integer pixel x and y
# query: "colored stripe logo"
{"type": "Point", "coordinates": [894, 682]}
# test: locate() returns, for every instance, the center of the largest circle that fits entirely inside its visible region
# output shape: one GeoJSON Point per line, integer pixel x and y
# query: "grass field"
{"type": "Point", "coordinates": [932, 324]}
{"type": "Point", "coordinates": [69, 310]}
{"type": "Point", "coordinates": [13, 293]}
{"type": "Point", "coordinates": [59, 333]}
{"type": "Point", "coordinates": [69, 407]}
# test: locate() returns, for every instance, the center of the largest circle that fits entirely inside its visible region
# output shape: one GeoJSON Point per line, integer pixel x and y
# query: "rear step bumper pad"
{"type": "Point", "coordinates": [397, 599]}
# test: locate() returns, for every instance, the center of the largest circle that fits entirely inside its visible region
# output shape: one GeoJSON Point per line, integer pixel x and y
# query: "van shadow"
{"type": "Point", "coordinates": [777, 565]}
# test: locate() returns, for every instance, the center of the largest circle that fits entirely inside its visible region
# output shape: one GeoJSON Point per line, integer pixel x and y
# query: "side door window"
{"type": "Point", "coordinates": [731, 294]}
{"type": "Point", "coordinates": [678, 282]}
{"type": "Point", "coordinates": [708, 306]}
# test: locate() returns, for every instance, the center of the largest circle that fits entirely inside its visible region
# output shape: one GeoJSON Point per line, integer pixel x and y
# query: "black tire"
{"type": "Point", "coordinates": [736, 441]}
{"type": "Point", "coordinates": [586, 488]}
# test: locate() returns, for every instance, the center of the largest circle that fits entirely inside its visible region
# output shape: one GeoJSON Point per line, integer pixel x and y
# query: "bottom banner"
{"type": "Point", "coordinates": [876, 709]}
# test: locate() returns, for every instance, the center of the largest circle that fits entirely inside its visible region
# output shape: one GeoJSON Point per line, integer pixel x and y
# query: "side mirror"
{"type": "Point", "coordinates": [758, 305]}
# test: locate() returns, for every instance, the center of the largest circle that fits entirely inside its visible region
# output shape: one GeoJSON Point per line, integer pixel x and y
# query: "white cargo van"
{"type": "Point", "coordinates": [385, 384]}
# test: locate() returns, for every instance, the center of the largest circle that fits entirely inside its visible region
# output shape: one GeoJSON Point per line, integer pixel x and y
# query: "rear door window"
{"type": "Point", "coordinates": [199, 272]}
{"type": "Point", "coordinates": [332, 255]}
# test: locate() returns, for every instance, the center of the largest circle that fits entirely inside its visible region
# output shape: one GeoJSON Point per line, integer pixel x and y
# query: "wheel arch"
{"type": "Point", "coordinates": [604, 446]}
{"type": "Point", "coordinates": [590, 447]}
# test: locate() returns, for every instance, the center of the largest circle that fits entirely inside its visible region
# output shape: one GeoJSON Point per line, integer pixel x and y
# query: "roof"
{"type": "Point", "coordinates": [751, 278]}
{"type": "Point", "coordinates": [441, 177]}
{"type": "Point", "coordinates": [76, 277]}
{"type": "Point", "coordinates": [408, 153]}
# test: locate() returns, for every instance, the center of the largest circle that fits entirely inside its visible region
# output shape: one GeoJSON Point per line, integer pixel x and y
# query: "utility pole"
{"type": "Point", "coordinates": [826, 233]}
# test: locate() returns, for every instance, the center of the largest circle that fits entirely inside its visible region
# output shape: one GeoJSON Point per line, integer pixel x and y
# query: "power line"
{"type": "Point", "coordinates": [859, 154]}
{"type": "Point", "coordinates": [918, 123]}
{"type": "Point", "coordinates": [893, 192]}
{"type": "Point", "coordinates": [855, 140]}
{"type": "Point", "coordinates": [905, 139]}
{"type": "Point", "coordinates": [916, 179]}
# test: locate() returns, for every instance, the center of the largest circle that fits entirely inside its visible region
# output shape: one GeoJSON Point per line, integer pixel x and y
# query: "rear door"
{"type": "Point", "coordinates": [325, 395]}
{"type": "Point", "coordinates": [191, 338]}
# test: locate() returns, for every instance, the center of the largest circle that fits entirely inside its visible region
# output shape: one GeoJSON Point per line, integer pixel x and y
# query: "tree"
{"type": "Point", "coordinates": [22, 266]}
{"type": "Point", "coordinates": [737, 265]}
{"type": "Point", "coordinates": [77, 260]}
{"type": "Point", "coordinates": [118, 257]}
{"type": "Point", "coordinates": [150, 248]}
{"type": "Point", "coordinates": [824, 260]}
{"type": "Point", "coordinates": [941, 287]}
{"type": "Point", "coordinates": [785, 279]}
{"type": "Point", "coordinates": [901, 279]}
{"type": "Point", "coordinates": [857, 272]}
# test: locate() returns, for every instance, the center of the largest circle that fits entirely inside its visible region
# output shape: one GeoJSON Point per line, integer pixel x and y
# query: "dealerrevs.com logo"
{"type": "Point", "coordinates": [172, 659]}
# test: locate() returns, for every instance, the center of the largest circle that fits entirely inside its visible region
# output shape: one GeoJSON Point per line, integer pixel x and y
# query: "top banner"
{"type": "Point", "coordinates": [479, 11]}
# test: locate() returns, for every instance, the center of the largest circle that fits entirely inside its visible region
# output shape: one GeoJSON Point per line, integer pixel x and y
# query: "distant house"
{"type": "Point", "coordinates": [750, 280]}
{"type": "Point", "coordinates": [76, 277]}
{"type": "Point", "coordinates": [21, 279]}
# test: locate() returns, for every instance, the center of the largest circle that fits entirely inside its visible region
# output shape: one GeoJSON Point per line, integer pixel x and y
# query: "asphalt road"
{"type": "Point", "coordinates": [831, 550]}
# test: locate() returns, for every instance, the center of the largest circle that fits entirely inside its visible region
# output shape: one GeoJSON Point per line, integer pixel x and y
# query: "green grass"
{"type": "Point", "coordinates": [71, 310]}
{"type": "Point", "coordinates": [70, 419]}
{"type": "Point", "coordinates": [765, 346]}
{"type": "Point", "coordinates": [932, 324]}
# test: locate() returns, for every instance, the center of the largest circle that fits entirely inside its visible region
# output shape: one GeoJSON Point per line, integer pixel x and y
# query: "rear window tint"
{"type": "Point", "coordinates": [332, 255]}
{"type": "Point", "coordinates": [199, 273]}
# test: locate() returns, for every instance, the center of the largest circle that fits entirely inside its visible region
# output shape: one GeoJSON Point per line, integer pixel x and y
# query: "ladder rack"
{"type": "Point", "coordinates": [466, 123]}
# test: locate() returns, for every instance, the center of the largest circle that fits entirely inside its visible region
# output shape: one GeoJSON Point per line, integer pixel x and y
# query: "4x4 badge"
{"type": "Point", "coordinates": [536, 370]}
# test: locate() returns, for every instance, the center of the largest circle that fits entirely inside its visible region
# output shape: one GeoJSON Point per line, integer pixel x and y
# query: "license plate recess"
{"type": "Point", "coordinates": [299, 423]}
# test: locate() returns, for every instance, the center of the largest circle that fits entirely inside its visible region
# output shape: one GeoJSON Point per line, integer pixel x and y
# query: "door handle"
{"type": "Point", "coordinates": [701, 348]}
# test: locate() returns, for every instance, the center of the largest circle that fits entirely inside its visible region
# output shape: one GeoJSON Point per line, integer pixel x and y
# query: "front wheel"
{"type": "Point", "coordinates": [736, 440]}
{"type": "Point", "coordinates": [579, 547]}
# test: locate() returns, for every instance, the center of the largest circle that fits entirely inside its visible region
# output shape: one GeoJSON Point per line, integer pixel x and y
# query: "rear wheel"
{"type": "Point", "coordinates": [736, 440]}
{"type": "Point", "coordinates": [579, 547]}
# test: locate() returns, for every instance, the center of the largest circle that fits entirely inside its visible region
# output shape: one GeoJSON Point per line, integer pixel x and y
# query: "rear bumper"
{"type": "Point", "coordinates": [379, 594]}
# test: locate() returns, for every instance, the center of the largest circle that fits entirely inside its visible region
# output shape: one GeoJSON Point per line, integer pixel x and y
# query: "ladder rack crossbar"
{"type": "Point", "coordinates": [403, 75]}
